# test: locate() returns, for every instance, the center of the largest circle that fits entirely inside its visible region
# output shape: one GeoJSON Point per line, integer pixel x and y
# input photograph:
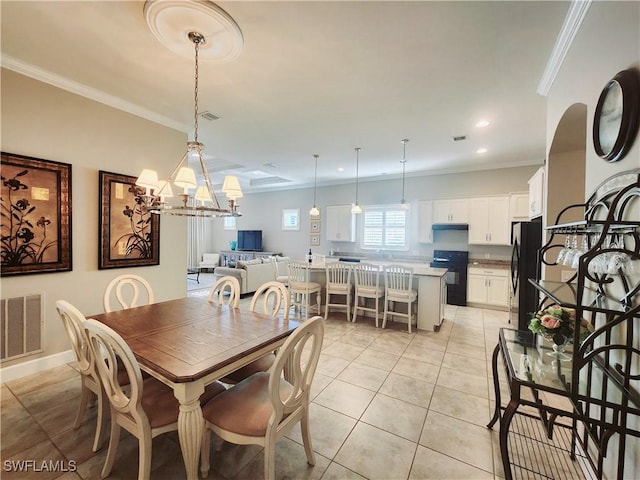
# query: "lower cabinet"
{"type": "Point", "coordinates": [488, 286]}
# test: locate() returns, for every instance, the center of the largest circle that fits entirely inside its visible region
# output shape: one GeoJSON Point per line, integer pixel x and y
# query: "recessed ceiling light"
{"type": "Point", "coordinates": [483, 123]}
{"type": "Point", "coordinates": [481, 150]}
{"type": "Point", "coordinates": [340, 169]}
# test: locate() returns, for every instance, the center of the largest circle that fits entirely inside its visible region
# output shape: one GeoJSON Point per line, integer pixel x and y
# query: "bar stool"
{"type": "Point", "coordinates": [338, 283]}
{"type": "Point", "coordinates": [399, 289]}
{"type": "Point", "coordinates": [301, 288]}
{"type": "Point", "coordinates": [367, 279]}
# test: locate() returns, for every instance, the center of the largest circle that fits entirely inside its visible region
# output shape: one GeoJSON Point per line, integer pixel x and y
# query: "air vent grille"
{"type": "Point", "coordinates": [459, 138]}
{"type": "Point", "coordinates": [209, 116]}
{"type": "Point", "coordinates": [255, 182]}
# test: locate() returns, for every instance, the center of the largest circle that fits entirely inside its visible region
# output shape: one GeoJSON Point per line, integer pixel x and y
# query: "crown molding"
{"type": "Point", "coordinates": [89, 92]}
{"type": "Point", "coordinates": [570, 27]}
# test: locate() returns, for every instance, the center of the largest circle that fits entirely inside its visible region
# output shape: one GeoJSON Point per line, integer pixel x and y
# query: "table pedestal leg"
{"type": "Point", "coordinates": [190, 425]}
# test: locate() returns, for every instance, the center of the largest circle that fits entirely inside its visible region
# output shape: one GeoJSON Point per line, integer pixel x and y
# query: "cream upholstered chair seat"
{"type": "Point", "coordinates": [268, 299]}
{"type": "Point", "coordinates": [367, 286]}
{"type": "Point", "coordinates": [266, 406]}
{"type": "Point", "coordinates": [146, 409]}
{"type": "Point", "coordinates": [399, 289]}
{"type": "Point", "coordinates": [225, 291]}
{"type": "Point", "coordinates": [302, 289]}
{"type": "Point", "coordinates": [127, 289]}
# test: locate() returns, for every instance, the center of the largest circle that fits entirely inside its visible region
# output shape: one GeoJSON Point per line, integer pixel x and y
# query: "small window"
{"type": "Point", "coordinates": [384, 227]}
{"type": "Point", "coordinates": [230, 223]}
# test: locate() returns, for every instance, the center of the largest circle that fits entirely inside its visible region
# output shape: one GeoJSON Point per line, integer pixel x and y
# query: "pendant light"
{"type": "Point", "coordinates": [355, 208]}
{"type": "Point", "coordinates": [314, 212]}
{"type": "Point", "coordinates": [403, 202]}
{"type": "Point", "coordinates": [204, 202]}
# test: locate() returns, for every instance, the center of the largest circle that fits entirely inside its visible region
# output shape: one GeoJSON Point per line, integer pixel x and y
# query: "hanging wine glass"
{"type": "Point", "coordinates": [600, 263]}
{"type": "Point", "coordinates": [568, 258]}
{"type": "Point", "coordinates": [563, 251]}
{"type": "Point", "coordinates": [620, 261]}
{"type": "Point", "coordinates": [581, 251]}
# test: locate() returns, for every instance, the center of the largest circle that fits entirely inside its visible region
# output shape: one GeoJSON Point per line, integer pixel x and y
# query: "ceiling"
{"type": "Point", "coordinates": [315, 77]}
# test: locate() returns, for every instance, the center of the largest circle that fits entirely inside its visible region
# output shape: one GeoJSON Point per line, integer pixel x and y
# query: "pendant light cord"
{"type": "Point", "coordinates": [357, 171]}
{"type": "Point", "coordinates": [315, 180]}
{"type": "Point", "coordinates": [404, 162]}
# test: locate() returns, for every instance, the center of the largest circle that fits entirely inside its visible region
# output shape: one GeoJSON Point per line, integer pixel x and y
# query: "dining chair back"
{"type": "Point", "coordinates": [73, 322]}
{"type": "Point", "coordinates": [225, 291]}
{"type": "Point", "coordinates": [277, 265]}
{"type": "Point", "coordinates": [367, 287]}
{"type": "Point", "coordinates": [269, 298]}
{"type": "Point", "coordinates": [398, 281]}
{"type": "Point", "coordinates": [302, 288]}
{"type": "Point", "coordinates": [318, 260]}
{"type": "Point", "coordinates": [126, 290]}
{"type": "Point", "coordinates": [266, 406]}
{"type": "Point", "coordinates": [145, 408]}
{"type": "Point", "coordinates": [338, 284]}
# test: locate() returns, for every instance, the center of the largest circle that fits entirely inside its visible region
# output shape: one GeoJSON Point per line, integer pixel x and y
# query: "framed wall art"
{"type": "Point", "coordinates": [314, 240]}
{"type": "Point", "coordinates": [290, 219]}
{"type": "Point", "coordinates": [36, 215]}
{"type": "Point", "coordinates": [314, 226]}
{"type": "Point", "coordinates": [129, 234]}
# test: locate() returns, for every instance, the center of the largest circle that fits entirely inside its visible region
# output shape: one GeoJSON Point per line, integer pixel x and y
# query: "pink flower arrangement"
{"type": "Point", "coordinates": [555, 321]}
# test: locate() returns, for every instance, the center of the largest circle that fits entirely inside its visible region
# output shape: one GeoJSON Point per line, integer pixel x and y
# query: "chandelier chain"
{"type": "Point", "coordinates": [195, 113]}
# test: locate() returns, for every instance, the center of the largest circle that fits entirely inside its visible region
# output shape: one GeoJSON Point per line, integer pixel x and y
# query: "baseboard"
{"type": "Point", "coordinates": [37, 365]}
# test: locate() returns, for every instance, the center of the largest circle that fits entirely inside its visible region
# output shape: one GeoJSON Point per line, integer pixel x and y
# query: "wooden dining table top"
{"type": "Point", "coordinates": [189, 338]}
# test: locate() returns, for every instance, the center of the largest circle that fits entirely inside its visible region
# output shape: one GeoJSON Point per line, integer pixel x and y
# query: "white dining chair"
{"type": "Point", "coordinates": [338, 284]}
{"type": "Point", "coordinates": [266, 406]}
{"type": "Point", "coordinates": [73, 322]}
{"type": "Point", "coordinates": [367, 287]}
{"type": "Point", "coordinates": [268, 299]}
{"type": "Point", "coordinates": [146, 408]}
{"type": "Point", "coordinates": [398, 282]}
{"type": "Point", "coordinates": [126, 289]}
{"type": "Point", "coordinates": [225, 291]}
{"type": "Point", "coordinates": [302, 288]}
{"type": "Point", "coordinates": [277, 262]}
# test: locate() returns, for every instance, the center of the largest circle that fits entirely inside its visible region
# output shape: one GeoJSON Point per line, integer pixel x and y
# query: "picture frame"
{"type": "Point", "coordinates": [314, 240]}
{"type": "Point", "coordinates": [290, 219]}
{"type": "Point", "coordinates": [36, 215]}
{"type": "Point", "coordinates": [314, 226]}
{"type": "Point", "coordinates": [129, 234]}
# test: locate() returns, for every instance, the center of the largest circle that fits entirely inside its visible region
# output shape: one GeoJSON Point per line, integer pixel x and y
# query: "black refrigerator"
{"type": "Point", "coordinates": [526, 239]}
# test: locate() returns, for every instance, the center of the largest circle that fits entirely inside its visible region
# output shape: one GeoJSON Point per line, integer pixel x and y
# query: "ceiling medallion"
{"type": "Point", "coordinates": [171, 21]}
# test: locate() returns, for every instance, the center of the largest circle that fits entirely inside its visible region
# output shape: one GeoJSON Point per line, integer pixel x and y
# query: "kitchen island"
{"type": "Point", "coordinates": [430, 282]}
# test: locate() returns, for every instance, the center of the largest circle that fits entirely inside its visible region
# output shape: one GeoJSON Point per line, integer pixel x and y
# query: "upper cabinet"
{"type": "Point", "coordinates": [425, 221]}
{"type": "Point", "coordinates": [536, 194]}
{"type": "Point", "coordinates": [489, 221]}
{"type": "Point", "coordinates": [519, 207]}
{"type": "Point", "coordinates": [341, 224]}
{"type": "Point", "coordinates": [452, 210]}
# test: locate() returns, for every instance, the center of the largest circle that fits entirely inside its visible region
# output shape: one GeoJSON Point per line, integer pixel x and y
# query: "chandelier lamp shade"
{"type": "Point", "coordinates": [314, 212]}
{"type": "Point", "coordinates": [355, 208]}
{"type": "Point", "coordinates": [403, 202]}
{"type": "Point", "coordinates": [194, 192]}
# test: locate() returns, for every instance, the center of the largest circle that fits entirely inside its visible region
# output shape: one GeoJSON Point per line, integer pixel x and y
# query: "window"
{"type": "Point", "coordinates": [229, 223]}
{"type": "Point", "coordinates": [384, 227]}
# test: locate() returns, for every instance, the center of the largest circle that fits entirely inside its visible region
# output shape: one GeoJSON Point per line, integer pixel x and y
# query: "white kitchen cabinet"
{"type": "Point", "coordinates": [488, 286]}
{"type": "Point", "coordinates": [453, 210]}
{"type": "Point", "coordinates": [519, 207]}
{"type": "Point", "coordinates": [425, 221]}
{"type": "Point", "coordinates": [536, 194]}
{"type": "Point", "coordinates": [489, 221]}
{"type": "Point", "coordinates": [341, 224]}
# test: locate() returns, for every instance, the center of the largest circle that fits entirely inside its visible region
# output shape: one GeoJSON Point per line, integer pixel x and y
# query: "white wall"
{"type": "Point", "coordinates": [42, 121]}
{"type": "Point", "coordinates": [263, 211]}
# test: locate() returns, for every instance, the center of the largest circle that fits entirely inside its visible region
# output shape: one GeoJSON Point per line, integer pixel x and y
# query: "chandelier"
{"type": "Point", "coordinates": [193, 197]}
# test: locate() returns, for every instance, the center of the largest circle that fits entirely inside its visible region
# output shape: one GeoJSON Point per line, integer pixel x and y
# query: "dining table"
{"type": "Point", "coordinates": [189, 343]}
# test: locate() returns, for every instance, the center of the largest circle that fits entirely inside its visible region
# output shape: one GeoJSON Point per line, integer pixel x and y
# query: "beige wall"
{"type": "Point", "coordinates": [42, 121]}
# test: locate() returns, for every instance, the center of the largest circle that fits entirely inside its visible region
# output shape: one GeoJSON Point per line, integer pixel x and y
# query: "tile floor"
{"type": "Point", "coordinates": [386, 405]}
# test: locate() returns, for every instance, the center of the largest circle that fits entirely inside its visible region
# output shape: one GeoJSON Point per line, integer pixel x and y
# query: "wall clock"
{"type": "Point", "coordinates": [615, 122]}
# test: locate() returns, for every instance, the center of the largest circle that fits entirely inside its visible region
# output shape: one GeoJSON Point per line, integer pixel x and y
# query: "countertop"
{"type": "Point", "coordinates": [486, 263]}
{"type": "Point", "coordinates": [419, 268]}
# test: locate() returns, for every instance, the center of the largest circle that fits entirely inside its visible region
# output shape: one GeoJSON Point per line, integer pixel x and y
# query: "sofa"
{"type": "Point", "coordinates": [209, 261]}
{"type": "Point", "coordinates": [250, 274]}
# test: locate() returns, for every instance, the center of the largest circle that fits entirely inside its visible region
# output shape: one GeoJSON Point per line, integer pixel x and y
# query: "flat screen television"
{"type": "Point", "coordinates": [250, 240]}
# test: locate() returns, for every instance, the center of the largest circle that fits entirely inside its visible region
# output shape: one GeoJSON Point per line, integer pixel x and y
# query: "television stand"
{"type": "Point", "coordinates": [234, 256]}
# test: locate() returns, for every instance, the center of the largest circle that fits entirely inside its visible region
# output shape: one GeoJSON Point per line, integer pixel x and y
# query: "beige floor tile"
{"type": "Point", "coordinates": [19, 431]}
{"type": "Point", "coordinates": [376, 454]}
{"type": "Point", "coordinates": [465, 350]}
{"type": "Point", "coordinates": [423, 354]}
{"type": "Point", "coordinates": [432, 342]}
{"type": "Point", "coordinates": [358, 340]}
{"type": "Point", "coordinates": [471, 336]}
{"type": "Point", "coordinates": [320, 381]}
{"type": "Point", "coordinates": [329, 429]}
{"type": "Point", "coordinates": [331, 366]}
{"type": "Point", "coordinates": [390, 344]}
{"type": "Point", "coordinates": [408, 389]}
{"type": "Point", "coordinates": [38, 381]}
{"type": "Point", "coordinates": [415, 369]}
{"type": "Point", "coordinates": [460, 405]}
{"type": "Point", "coordinates": [430, 464]}
{"type": "Point", "coordinates": [34, 463]}
{"type": "Point", "coordinates": [468, 443]}
{"type": "Point", "coordinates": [338, 472]}
{"type": "Point", "coordinates": [345, 398]}
{"type": "Point", "coordinates": [231, 458]}
{"type": "Point", "coordinates": [395, 416]}
{"type": "Point", "coordinates": [343, 350]}
{"type": "Point", "coordinates": [66, 391]}
{"type": "Point", "coordinates": [464, 382]}
{"type": "Point", "coordinates": [378, 359]}
{"type": "Point", "coordinates": [464, 364]}
{"type": "Point", "coordinates": [363, 376]}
